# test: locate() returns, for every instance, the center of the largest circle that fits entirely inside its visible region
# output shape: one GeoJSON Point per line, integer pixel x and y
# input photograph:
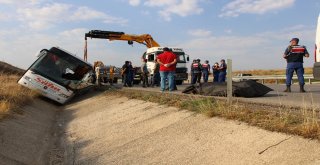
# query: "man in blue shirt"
{"type": "Point", "coordinates": [294, 55]}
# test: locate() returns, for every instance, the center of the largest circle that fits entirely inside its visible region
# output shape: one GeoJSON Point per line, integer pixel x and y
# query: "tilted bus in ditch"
{"type": "Point", "coordinates": [58, 75]}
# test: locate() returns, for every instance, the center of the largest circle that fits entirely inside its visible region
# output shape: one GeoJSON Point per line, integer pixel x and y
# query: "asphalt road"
{"type": "Point", "coordinates": [310, 99]}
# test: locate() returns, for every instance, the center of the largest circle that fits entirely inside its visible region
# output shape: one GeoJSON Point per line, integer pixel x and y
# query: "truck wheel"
{"type": "Point", "coordinates": [136, 82]}
{"type": "Point", "coordinates": [179, 82]}
{"type": "Point", "coordinates": [115, 80]}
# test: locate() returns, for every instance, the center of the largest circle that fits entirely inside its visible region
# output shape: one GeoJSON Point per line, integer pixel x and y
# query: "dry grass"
{"type": "Point", "coordinates": [12, 95]}
{"type": "Point", "coordinates": [302, 122]}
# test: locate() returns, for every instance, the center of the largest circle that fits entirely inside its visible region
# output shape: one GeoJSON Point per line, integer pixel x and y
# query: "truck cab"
{"type": "Point", "coordinates": [182, 60]}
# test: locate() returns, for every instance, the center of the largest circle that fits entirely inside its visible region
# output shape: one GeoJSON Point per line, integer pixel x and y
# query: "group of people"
{"type": "Point", "coordinates": [155, 79]}
{"type": "Point", "coordinates": [163, 72]}
{"type": "Point", "coordinates": [199, 70]}
{"type": "Point", "coordinates": [166, 65]}
{"type": "Point", "coordinates": [128, 73]}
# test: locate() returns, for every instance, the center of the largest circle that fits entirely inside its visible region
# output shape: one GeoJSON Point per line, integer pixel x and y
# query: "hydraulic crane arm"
{"type": "Point", "coordinates": [145, 39]}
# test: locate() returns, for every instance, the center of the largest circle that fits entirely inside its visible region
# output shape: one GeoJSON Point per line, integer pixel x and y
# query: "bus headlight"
{"type": "Point", "coordinates": [63, 95]}
{"type": "Point", "coordinates": [27, 78]}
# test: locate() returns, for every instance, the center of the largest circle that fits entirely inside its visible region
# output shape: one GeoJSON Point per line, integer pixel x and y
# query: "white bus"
{"type": "Point", "coordinates": [58, 75]}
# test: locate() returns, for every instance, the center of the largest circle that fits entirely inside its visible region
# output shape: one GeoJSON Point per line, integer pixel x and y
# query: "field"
{"type": "Point", "coordinates": [12, 95]}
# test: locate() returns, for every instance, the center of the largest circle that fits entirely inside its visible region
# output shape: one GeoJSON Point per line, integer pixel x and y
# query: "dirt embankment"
{"type": "Point", "coordinates": [25, 138]}
{"type": "Point", "coordinates": [115, 130]}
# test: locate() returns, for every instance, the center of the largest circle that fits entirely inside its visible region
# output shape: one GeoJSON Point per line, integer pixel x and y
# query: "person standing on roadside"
{"type": "Point", "coordinates": [222, 71]}
{"type": "Point", "coordinates": [144, 73]}
{"type": "Point", "coordinates": [156, 74]}
{"type": "Point", "coordinates": [294, 55]}
{"type": "Point", "coordinates": [192, 74]}
{"type": "Point", "coordinates": [196, 69]}
{"type": "Point", "coordinates": [215, 72]}
{"type": "Point", "coordinates": [125, 74]}
{"type": "Point", "coordinates": [205, 71]}
{"type": "Point", "coordinates": [131, 73]}
{"type": "Point", "coordinates": [167, 61]}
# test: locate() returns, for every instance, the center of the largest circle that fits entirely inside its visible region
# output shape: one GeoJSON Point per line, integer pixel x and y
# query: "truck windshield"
{"type": "Point", "coordinates": [62, 68]}
{"type": "Point", "coordinates": [181, 58]}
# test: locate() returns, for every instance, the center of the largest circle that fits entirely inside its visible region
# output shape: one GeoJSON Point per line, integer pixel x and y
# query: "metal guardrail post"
{"type": "Point", "coordinates": [229, 81]}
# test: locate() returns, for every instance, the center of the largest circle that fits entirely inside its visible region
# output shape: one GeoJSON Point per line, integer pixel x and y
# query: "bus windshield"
{"type": "Point", "coordinates": [63, 68]}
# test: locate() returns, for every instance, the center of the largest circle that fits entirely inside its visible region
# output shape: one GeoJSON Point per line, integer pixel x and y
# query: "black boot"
{"type": "Point", "coordinates": [302, 89]}
{"type": "Point", "coordinates": [288, 89]}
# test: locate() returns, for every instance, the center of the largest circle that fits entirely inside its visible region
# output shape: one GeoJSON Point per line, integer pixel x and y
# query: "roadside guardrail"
{"type": "Point", "coordinates": [309, 77]}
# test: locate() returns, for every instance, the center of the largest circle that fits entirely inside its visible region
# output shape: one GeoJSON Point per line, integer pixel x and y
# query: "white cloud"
{"type": "Point", "coordinates": [160, 3]}
{"type": "Point", "coordinates": [85, 13]}
{"type": "Point", "coordinates": [228, 31]}
{"type": "Point", "coordinates": [134, 2]}
{"type": "Point", "coordinates": [74, 32]}
{"type": "Point", "coordinates": [168, 8]}
{"type": "Point", "coordinates": [49, 15]}
{"type": "Point", "coordinates": [3, 17]}
{"type": "Point", "coordinates": [237, 7]}
{"type": "Point", "coordinates": [19, 2]}
{"type": "Point", "coordinates": [44, 17]}
{"type": "Point", "coordinates": [183, 9]}
{"type": "Point", "coordinates": [199, 33]}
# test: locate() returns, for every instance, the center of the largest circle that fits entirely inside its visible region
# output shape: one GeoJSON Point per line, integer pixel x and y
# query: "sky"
{"type": "Point", "coordinates": [253, 33]}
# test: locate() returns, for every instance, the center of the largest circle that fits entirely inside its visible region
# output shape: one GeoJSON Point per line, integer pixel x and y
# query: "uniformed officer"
{"type": "Point", "coordinates": [294, 55]}
{"type": "Point", "coordinates": [192, 75]}
{"type": "Point", "coordinates": [222, 71]}
{"type": "Point", "coordinates": [215, 72]}
{"type": "Point", "coordinates": [196, 69]}
{"type": "Point", "coordinates": [205, 71]}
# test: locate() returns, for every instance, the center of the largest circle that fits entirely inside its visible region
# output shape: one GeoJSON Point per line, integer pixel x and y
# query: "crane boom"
{"type": "Point", "coordinates": [145, 39]}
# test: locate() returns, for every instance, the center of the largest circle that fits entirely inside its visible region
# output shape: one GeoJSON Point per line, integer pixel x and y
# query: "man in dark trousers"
{"type": "Point", "coordinates": [144, 73]}
{"type": "Point", "coordinates": [205, 71]}
{"type": "Point", "coordinates": [196, 71]}
{"type": "Point", "coordinates": [222, 71]}
{"type": "Point", "coordinates": [125, 74]}
{"type": "Point", "coordinates": [294, 55]}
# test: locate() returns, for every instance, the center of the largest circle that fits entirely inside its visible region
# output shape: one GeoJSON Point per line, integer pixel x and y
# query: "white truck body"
{"type": "Point", "coordinates": [316, 67]}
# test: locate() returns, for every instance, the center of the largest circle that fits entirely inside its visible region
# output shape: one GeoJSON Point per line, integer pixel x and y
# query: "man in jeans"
{"type": "Point", "coordinates": [167, 61]}
{"type": "Point", "coordinates": [294, 55]}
